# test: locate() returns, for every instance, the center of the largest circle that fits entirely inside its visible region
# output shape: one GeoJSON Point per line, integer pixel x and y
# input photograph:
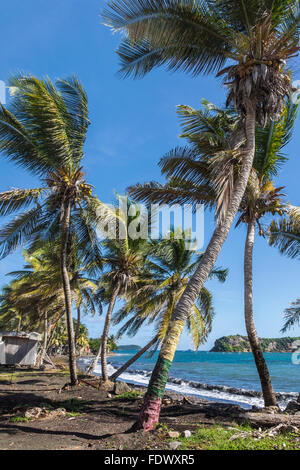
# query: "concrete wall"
{"type": "Point", "coordinates": [2, 352]}
{"type": "Point", "coordinates": [20, 350]}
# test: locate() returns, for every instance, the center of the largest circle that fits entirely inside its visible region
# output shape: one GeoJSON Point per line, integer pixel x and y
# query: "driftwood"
{"type": "Point", "coordinates": [265, 420]}
{"type": "Point", "coordinates": [95, 383]}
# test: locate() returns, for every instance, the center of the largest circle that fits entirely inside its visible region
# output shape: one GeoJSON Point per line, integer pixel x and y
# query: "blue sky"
{"type": "Point", "coordinates": [133, 124]}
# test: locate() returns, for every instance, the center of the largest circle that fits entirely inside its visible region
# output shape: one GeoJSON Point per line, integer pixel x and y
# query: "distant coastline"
{"type": "Point", "coordinates": [239, 343]}
{"type": "Point", "coordinates": [128, 347]}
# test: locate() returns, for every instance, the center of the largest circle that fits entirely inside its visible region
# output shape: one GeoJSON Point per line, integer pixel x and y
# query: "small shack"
{"type": "Point", "coordinates": [18, 348]}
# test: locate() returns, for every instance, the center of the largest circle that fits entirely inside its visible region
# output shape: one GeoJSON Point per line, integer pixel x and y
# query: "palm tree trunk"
{"type": "Point", "coordinates": [77, 325]}
{"type": "Point", "coordinates": [106, 331]}
{"type": "Point", "coordinates": [107, 324]}
{"type": "Point", "coordinates": [52, 329]}
{"type": "Point", "coordinates": [261, 365]}
{"type": "Point", "coordinates": [150, 411]}
{"type": "Point", "coordinates": [93, 364]}
{"type": "Point", "coordinates": [67, 291]}
{"type": "Point", "coordinates": [44, 347]}
{"type": "Point", "coordinates": [133, 359]}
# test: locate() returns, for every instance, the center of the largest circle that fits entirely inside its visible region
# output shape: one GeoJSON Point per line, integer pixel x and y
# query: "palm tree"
{"type": "Point", "coordinates": [36, 295]}
{"type": "Point", "coordinates": [124, 258]}
{"type": "Point", "coordinates": [112, 343]}
{"type": "Point", "coordinates": [170, 265]}
{"type": "Point", "coordinates": [262, 198]}
{"type": "Point", "coordinates": [257, 38]}
{"type": "Point", "coordinates": [285, 234]}
{"type": "Point", "coordinates": [82, 339]}
{"type": "Point", "coordinates": [43, 130]}
{"type": "Point", "coordinates": [196, 175]}
{"type": "Point", "coordinates": [59, 340]}
{"type": "Point", "coordinates": [33, 296]}
{"type": "Point", "coordinates": [33, 305]}
{"type": "Point", "coordinates": [203, 172]}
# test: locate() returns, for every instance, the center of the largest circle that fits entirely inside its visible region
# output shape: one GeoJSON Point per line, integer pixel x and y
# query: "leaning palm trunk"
{"type": "Point", "coordinates": [94, 362]}
{"type": "Point", "coordinates": [261, 365]}
{"type": "Point", "coordinates": [105, 332]}
{"type": "Point", "coordinates": [133, 359]}
{"type": "Point", "coordinates": [150, 411]}
{"type": "Point", "coordinates": [51, 336]}
{"type": "Point", "coordinates": [67, 291]}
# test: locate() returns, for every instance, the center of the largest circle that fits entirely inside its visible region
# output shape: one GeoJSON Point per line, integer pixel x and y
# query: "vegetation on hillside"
{"type": "Point", "coordinates": [238, 343]}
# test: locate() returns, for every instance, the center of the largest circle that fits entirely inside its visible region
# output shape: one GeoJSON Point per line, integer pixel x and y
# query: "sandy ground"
{"type": "Point", "coordinates": [96, 419]}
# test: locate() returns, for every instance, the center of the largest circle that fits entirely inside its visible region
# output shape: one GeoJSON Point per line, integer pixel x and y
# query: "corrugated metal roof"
{"type": "Point", "coordinates": [21, 334]}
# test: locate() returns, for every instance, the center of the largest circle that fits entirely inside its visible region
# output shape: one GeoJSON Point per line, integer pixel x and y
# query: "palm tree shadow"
{"type": "Point", "coordinates": [13, 429]}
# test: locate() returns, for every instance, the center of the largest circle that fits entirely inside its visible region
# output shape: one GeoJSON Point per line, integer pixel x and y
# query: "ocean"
{"type": "Point", "coordinates": [223, 377]}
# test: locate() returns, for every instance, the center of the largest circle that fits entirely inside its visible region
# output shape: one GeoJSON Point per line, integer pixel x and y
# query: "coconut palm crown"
{"type": "Point", "coordinates": [43, 130]}
{"type": "Point", "coordinates": [170, 264]}
{"type": "Point", "coordinates": [255, 38]}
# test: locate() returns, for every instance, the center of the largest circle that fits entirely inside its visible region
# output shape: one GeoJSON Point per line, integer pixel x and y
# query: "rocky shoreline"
{"type": "Point", "coordinates": [93, 417]}
{"type": "Point", "coordinates": [239, 343]}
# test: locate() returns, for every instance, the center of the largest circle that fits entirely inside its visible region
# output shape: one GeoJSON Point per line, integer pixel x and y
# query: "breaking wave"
{"type": "Point", "coordinates": [221, 393]}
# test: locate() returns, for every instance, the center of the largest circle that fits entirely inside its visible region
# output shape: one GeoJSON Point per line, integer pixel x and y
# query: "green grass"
{"type": "Point", "coordinates": [129, 395]}
{"type": "Point", "coordinates": [19, 419]}
{"type": "Point", "coordinates": [218, 438]}
{"type": "Point", "coordinates": [73, 414]}
{"type": "Point", "coordinates": [9, 377]}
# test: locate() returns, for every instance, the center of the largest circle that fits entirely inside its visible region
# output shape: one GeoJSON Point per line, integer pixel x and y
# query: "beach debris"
{"type": "Point", "coordinates": [46, 367]}
{"type": "Point", "coordinates": [120, 388]}
{"type": "Point", "coordinates": [34, 412]}
{"type": "Point", "coordinates": [187, 401]}
{"type": "Point", "coordinates": [259, 434]}
{"type": "Point", "coordinates": [174, 445]}
{"type": "Point", "coordinates": [167, 401]}
{"type": "Point", "coordinates": [56, 413]}
{"type": "Point", "coordinates": [37, 412]}
{"type": "Point", "coordinates": [271, 410]}
{"type": "Point", "coordinates": [170, 400]}
{"type": "Point", "coordinates": [173, 434]}
{"type": "Point", "coordinates": [187, 433]}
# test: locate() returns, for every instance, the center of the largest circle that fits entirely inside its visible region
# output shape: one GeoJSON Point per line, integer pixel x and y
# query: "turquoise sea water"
{"type": "Point", "coordinates": [218, 376]}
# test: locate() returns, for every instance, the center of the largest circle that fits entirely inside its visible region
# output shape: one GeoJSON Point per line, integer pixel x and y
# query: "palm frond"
{"type": "Point", "coordinates": [42, 110]}
{"type": "Point", "coordinates": [174, 33]}
{"type": "Point", "coordinates": [291, 316]}
{"type": "Point", "coordinates": [77, 116]}
{"type": "Point", "coordinates": [243, 15]}
{"type": "Point", "coordinates": [16, 199]}
{"type": "Point", "coordinates": [271, 140]}
{"type": "Point", "coordinates": [19, 146]}
{"type": "Point", "coordinates": [285, 235]}
{"type": "Point", "coordinates": [19, 230]}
